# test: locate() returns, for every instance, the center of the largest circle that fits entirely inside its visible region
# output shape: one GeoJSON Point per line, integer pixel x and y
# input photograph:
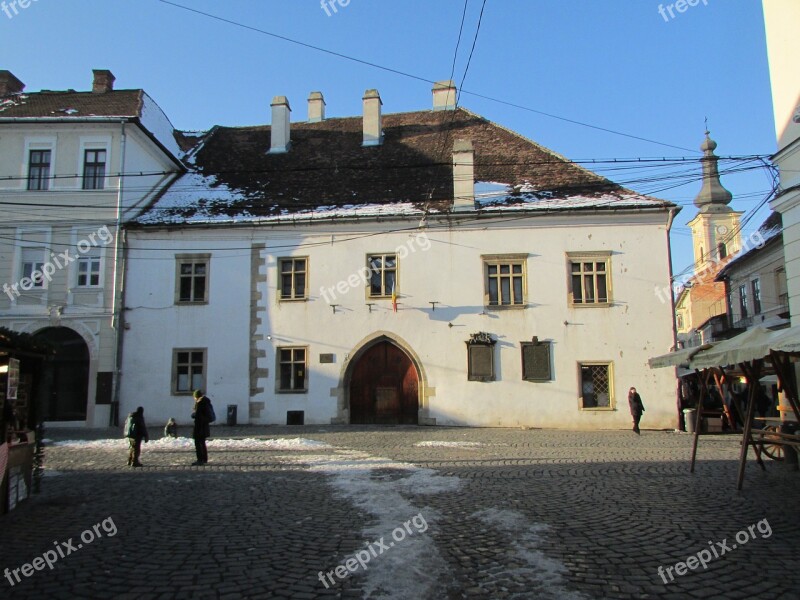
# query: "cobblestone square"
{"type": "Point", "coordinates": [507, 513]}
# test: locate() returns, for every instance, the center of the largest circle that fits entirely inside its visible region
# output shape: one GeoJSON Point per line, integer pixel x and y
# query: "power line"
{"type": "Point", "coordinates": [419, 78]}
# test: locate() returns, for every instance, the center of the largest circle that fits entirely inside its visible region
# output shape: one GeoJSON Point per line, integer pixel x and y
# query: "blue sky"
{"type": "Point", "coordinates": [617, 64]}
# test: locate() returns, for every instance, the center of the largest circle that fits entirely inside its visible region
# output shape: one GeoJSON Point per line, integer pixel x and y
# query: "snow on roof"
{"type": "Point", "coordinates": [157, 123]}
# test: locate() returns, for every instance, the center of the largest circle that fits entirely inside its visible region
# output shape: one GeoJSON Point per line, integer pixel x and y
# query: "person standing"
{"type": "Point", "coordinates": [637, 408]}
{"type": "Point", "coordinates": [202, 429]}
{"type": "Point", "coordinates": [135, 431]}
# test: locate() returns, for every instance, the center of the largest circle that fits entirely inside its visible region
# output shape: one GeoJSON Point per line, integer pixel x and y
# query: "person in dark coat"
{"type": "Point", "coordinates": [136, 432]}
{"type": "Point", "coordinates": [202, 428]}
{"type": "Point", "coordinates": [637, 408]}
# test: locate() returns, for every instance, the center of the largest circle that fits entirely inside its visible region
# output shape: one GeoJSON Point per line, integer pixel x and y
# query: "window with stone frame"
{"type": "Point", "coordinates": [188, 370]}
{"type": "Point", "coordinates": [192, 278]}
{"type": "Point", "coordinates": [597, 389]}
{"type": "Point", "coordinates": [383, 275]}
{"type": "Point", "coordinates": [293, 278]}
{"type": "Point", "coordinates": [292, 369]}
{"type": "Point", "coordinates": [590, 279]}
{"type": "Point", "coordinates": [504, 280]}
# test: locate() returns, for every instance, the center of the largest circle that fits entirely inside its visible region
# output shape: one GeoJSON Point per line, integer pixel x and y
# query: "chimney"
{"type": "Point", "coordinates": [10, 85]}
{"type": "Point", "coordinates": [103, 81]}
{"type": "Point", "coordinates": [373, 132]}
{"type": "Point", "coordinates": [280, 125]}
{"type": "Point", "coordinates": [463, 176]}
{"type": "Point", "coordinates": [444, 95]}
{"type": "Point", "coordinates": [316, 107]}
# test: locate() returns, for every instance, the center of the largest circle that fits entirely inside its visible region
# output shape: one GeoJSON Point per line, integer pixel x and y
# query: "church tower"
{"type": "Point", "coordinates": [715, 230]}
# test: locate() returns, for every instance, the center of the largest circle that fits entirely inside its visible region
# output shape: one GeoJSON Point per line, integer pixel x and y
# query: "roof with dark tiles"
{"type": "Point", "coordinates": [236, 178]}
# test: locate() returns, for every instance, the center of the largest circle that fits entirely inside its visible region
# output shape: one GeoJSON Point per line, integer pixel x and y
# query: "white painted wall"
{"type": "Point", "coordinates": [637, 326]}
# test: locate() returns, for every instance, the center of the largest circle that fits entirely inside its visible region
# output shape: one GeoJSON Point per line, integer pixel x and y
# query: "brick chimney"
{"type": "Point", "coordinates": [373, 130]}
{"type": "Point", "coordinates": [463, 176]}
{"type": "Point", "coordinates": [316, 107]}
{"type": "Point", "coordinates": [444, 95]}
{"type": "Point", "coordinates": [279, 131]}
{"type": "Point", "coordinates": [10, 85]}
{"type": "Point", "coordinates": [103, 81]}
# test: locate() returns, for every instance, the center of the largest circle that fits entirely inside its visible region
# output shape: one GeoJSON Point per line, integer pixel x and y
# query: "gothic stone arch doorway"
{"type": "Point", "coordinates": [64, 386]}
{"type": "Point", "coordinates": [384, 387]}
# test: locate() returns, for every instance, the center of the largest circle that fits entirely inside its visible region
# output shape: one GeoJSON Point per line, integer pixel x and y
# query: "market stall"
{"type": "Point", "coordinates": [753, 354]}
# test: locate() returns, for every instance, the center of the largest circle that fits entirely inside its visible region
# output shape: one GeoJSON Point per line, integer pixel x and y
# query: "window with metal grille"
{"type": "Point", "coordinates": [536, 361]}
{"type": "Point", "coordinates": [505, 280]}
{"type": "Point", "coordinates": [188, 371]}
{"type": "Point", "coordinates": [192, 279]}
{"type": "Point", "coordinates": [293, 278]}
{"type": "Point", "coordinates": [39, 170]}
{"type": "Point", "coordinates": [94, 169]}
{"type": "Point", "coordinates": [596, 390]}
{"type": "Point", "coordinates": [292, 372]}
{"type": "Point", "coordinates": [383, 275]}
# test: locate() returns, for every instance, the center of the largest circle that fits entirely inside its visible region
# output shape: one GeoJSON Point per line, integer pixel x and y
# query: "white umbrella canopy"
{"type": "Point", "coordinates": [677, 358]}
{"type": "Point", "coordinates": [751, 345]}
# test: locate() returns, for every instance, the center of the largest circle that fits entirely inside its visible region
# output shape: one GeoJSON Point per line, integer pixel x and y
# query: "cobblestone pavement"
{"type": "Point", "coordinates": [507, 514]}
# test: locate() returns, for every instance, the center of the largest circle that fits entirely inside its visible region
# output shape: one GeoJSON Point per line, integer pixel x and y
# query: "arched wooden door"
{"type": "Point", "coordinates": [384, 387]}
{"type": "Point", "coordinates": [63, 389]}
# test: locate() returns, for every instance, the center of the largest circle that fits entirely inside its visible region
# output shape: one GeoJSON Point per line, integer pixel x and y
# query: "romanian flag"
{"type": "Point", "coordinates": [394, 296]}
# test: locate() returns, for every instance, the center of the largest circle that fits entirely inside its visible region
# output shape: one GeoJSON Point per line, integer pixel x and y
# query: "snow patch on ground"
{"type": "Point", "coordinates": [380, 487]}
{"type": "Point", "coordinates": [183, 443]}
{"type": "Point", "coordinates": [546, 573]}
{"type": "Point", "coordinates": [438, 444]}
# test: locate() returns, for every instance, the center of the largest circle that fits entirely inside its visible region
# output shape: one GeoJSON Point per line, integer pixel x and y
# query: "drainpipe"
{"type": "Point", "coordinates": [119, 280]}
{"type": "Point", "coordinates": [672, 213]}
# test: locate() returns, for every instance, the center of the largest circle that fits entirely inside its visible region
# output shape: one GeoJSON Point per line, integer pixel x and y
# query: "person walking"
{"type": "Point", "coordinates": [136, 431]}
{"type": "Point", "coordinates": [637, 408]}
{"type": "Point", "coordinates": [202, 429]}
